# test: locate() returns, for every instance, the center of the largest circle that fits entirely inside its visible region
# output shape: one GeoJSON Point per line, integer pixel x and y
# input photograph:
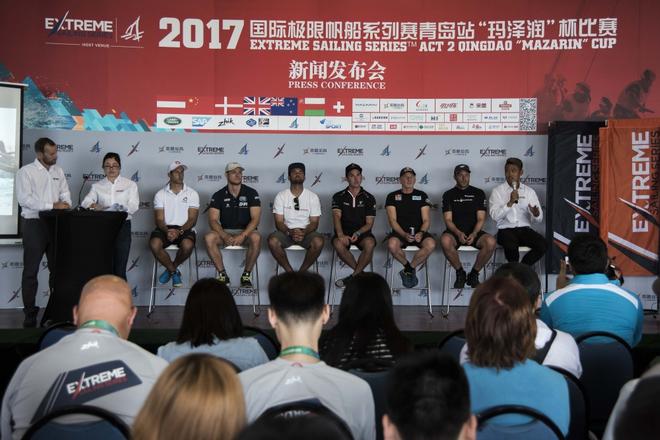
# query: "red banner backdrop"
{"type": "Point", "coordinates": [590, 59]}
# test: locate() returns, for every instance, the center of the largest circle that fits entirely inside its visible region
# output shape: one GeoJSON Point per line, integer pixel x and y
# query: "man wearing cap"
{"type": "Point", "coordinates": [353, 213]}
{"type": "Point", "coordinates": [297, 212]}
{"type": "Point", "coordinates": [515, 206]}
{"type": "Point", "coordinates": [176, 207]}
{"type": "Point", "coordinates": [409, 216]}
{"type": "Point", "coordinates": [464, 211]}
{"type": "Point", "coordinates": [234, 214]}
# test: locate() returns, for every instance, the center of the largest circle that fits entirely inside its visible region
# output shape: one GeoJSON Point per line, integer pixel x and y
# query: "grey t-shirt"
{"type": "Point", "coordinates": [245, 353]}
{"type": "Point", "coordinates": [281, 381]}
{"type": "Point", "coordinates": [90, 366]}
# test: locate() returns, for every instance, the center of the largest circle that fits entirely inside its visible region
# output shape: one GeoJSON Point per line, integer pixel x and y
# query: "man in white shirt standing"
{"type": "Point", "coordinates": [176, 207]}
{"type": "Point", "coordinates": [297, 213]}
{"type": "Point", "coordinates": [40, 186]}
{"type": "Point", "coordinates": [515, 206]}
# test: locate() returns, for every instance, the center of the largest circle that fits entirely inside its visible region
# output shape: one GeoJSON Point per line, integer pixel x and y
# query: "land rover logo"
{"type": "Point", "coordinates": [172, 120]}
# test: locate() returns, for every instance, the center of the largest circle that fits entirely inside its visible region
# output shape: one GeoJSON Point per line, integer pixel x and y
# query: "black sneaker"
{"type": "Point", "coordinates": [246, 280]}
{"type": "Point", "coordinates": [341, 282]}
{"type": "Point", "coordinates": [460, 279]}
{"type": "Point", "coordinates": [223, 278]}
{"type": "Point", "coordinates": [473, 279]}
{"type": "Point", "coordinates": [408, 279]}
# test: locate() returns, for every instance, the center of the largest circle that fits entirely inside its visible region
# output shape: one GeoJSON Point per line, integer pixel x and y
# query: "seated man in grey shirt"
{"type": "Point", "coordinates": [297, 313]}
{"type": "Point", "coordinates": [95, 365]}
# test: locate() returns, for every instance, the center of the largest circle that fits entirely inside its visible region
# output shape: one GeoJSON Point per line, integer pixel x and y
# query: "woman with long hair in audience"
{"type": "Point", "coordinates": [196, 397]}
{"type": "Point", "coordinates": [211, 324]}
{"type": "Point", "coordinates": [500, 329]}
{"type": "Point", "coordinates": [365, 328]}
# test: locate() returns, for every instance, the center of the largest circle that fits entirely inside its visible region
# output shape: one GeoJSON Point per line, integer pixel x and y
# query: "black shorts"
{"type": "Point", "coordinates": [405, 243]}
{"type": "Point", "coordinates": [358, 242]}
{"type": "Point", "coordinates": [458, 243]}
{"type": "Point", "coordinates": [162, 236]}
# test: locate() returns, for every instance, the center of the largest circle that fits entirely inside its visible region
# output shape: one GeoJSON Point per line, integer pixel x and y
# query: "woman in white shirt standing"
{"type": "Point", "coordinates": [115, 193]}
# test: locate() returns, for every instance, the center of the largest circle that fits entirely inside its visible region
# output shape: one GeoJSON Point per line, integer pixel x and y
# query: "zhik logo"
{"type": "Point", "coordinates": [243, 150]}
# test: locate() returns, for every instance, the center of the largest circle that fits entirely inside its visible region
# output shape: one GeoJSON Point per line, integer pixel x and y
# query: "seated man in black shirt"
{"type": "Point", "coordinates": [234, 214]}
{"type": "Point", "coordinates": [464, 210]}
{"type": "Point", "coordinates": [409, 216]}
{"type": "Point", "coordinates": [353, 213]}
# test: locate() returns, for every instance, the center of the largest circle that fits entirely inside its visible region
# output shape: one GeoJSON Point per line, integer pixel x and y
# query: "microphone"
{"type": "Point", "coordinates": [85, 179]}
{"type": "Point", "coordinates": [516, 185]}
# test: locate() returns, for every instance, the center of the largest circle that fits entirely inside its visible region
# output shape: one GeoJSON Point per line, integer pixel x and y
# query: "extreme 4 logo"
{"type": "Point", "coordinates": [243, 150]}
{"type": "Point", "coordinates": [280, 150]}
{"type": "Point", "coordinates": [281, 179]}
{"type": "Point", "coordinates": [424, 180]}
{"type": "Point", "coordinates": [133, 32]}
{"type": "Point", "coordinates": [96, 148]}
{"type": "Point", "coordinates": [78, 27]}
{"type": "Point", "coordinates": [294, 124]}
{"type": "Point", "coordinates": [386, 151]}
{"type": "Point", "coordinates": [135, 177]}
{"type": "Point", "coordinates": [530, 151]}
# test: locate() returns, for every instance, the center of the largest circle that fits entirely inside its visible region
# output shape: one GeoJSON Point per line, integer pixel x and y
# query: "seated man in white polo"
{"type": "Point", "coordinates": [176, 207]}
{"type": "Point", "coordinates": [297, 213]}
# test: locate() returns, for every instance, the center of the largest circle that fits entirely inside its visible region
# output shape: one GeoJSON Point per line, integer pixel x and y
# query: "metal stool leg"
{"type": "Point", "coordinates": [152, 294]}
{"type": "Point", "coordinates": [333, 273]}
{"type": "Point", "coordinates": [256, 309]}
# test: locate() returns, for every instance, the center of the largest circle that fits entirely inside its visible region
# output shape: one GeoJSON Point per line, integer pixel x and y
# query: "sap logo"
{"type": "Point", "coordinates": [14, 294]}
{"type": "Point", "coordinates": [96, 148]}
{"type": "Point", "coordinates": [280, 150]}
{"type": "Point", "coordinates": [135, 177]}
{"type": "Point", "coordinates": [133, 32]}
{"type": "Point", "coordinates": [294, 124]}
{"type": "Point", "coordinates": [77, 27]}
{"type": "Point", "coordinates": [134, 264]}
{"type": "Point", "coordinates": [317, 179]}
{"type": "Point", "coordinates": [134, 149]}
{"type": "Point", "coordinates": [64, 148]}
{"type": "Point", "coordinates": [281, 179]}
{"type": "Point", "coordinates": [244, 150]}
{"type": "Point", "coordinates": [386, 151]}
{"type": "Point", "coordinates": [424, 180]}
{"type": "Point", "coordinates": [422, 152]}
{"type": "Point", "coordinates": [530, 151]}
{"type": "Point", "coordinates": [251, 122]}
{"type": "Point", "coordinates": [200, 121]}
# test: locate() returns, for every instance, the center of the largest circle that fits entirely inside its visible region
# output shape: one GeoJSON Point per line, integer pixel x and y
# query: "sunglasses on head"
{"type": "Point", "coordinates": [296, 204]}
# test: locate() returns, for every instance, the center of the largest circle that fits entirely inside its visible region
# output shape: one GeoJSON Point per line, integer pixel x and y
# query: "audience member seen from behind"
{"type": "Point", "coordinates": [500, 329]}
{"type": "Point", "coordinates": [302, 427]}
{"type": "Point", "coordinates": [197, 397]}
{"type": "Point", "coordinates": [297, 313]}
{"type": "Point", "coordinates": [553, 347]}
{"type": "Point", "coordinates": [96, 361]}
{"type": "Point", "coordinates": [639, 419]}
{"type": "Point", "coordinates": [428, 397]}
{"type": "Point", "coordinates": [365, 328]}
{"type": "Point", "coordinates": [211, 324]}
{"type": "Point", "coordinates": [592, 302]}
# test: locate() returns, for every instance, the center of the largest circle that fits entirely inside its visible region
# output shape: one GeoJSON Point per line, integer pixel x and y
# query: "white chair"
{"type": "Point", "coordinates": [154, 275]}
{"type": "Point", "coordinates": [389, 275]}
{"type": "Point", "coordinates": [446, 280]}
{"type": "Point", "coordinates": [256, 300]}
{"type": "Point", "coordinates": [296, 248]}
{"type": "Point", "coordinates": [521, 250]}
{"type": "Point", "coordinates": [334, 271]}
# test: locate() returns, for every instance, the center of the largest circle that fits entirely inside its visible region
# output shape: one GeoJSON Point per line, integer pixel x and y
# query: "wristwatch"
{"type": "Point", "coordinates": [357, 233]}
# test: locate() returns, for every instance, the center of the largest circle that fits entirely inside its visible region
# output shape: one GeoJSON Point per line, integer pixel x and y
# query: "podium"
{"type": "Point", "coordinates": [83, 246]}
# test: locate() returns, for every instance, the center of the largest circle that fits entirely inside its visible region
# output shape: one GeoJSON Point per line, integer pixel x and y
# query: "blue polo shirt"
{"type": "Point", "coordinates": [593, 303]}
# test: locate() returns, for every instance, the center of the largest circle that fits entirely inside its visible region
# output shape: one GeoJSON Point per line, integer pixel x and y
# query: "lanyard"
{"type": "Point", "coordinates": [299, 349]}
{"type": "Point", "coordinates": [103, 325]}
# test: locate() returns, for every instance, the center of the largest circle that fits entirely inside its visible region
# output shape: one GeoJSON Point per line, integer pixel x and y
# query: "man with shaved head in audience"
{"type": "Point", "coordinates": [95, 365]}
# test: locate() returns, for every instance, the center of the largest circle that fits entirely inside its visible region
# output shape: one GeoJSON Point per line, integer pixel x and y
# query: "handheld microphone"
{"type": "Point", "coordinates": [516, 186]}
{"type": "Point", "coordinates": [85, 179]}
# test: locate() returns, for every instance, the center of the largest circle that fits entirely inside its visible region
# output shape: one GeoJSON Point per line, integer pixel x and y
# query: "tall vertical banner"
{"type": "Point", "coordinates": [629, 159]}
{"type": "Point", "coordinates": [573, 185]}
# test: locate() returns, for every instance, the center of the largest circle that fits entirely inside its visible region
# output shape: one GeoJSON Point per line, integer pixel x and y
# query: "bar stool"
{"type": "Point", "coordinates": [446, 280]}
{"type": "Point", "coordinates": [333, 273]}
{"type": "Point", "coordinates": [256, 300]}
{"type": "Point", "coordinates": [521, 250]}
{"type": "Point", "coordinates": [389, 275]}
{"type": "Point", "coordinates": [154, 275]}
{"type": "Point", "coordinates": [296, 248]}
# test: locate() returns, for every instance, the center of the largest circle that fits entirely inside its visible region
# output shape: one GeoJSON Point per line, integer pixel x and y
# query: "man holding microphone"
{"type": "Point", "coordinates": [515, 206]}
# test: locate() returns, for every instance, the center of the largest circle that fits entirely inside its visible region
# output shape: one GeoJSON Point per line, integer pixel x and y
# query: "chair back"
{"type": "Point", "coordinates": [269, 345]}
{"type": "Point", "coordinates": [107, 427]}
{"type": "Point", "coordinates": [540, 428]}
{"type": "Point", "coordinates": [54, 333]}
{"type": "Point", "coordinates": [377, 381]}
{"type": "Point", "coordinates": [577, 394]}
{"type": "Point", "coordinates": [606, 367]}
{"type": "Point", "coordinates": [306, 408]}
{"type": "Point", "coordinates": [453, 343]}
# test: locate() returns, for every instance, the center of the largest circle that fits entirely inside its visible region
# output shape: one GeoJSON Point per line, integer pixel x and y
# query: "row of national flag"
{"type": "Point", "coordinates": [251, 105]}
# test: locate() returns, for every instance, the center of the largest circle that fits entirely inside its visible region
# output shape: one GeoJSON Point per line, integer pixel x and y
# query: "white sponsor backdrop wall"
{"type": "Point", "coordinates": [145, 157]}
